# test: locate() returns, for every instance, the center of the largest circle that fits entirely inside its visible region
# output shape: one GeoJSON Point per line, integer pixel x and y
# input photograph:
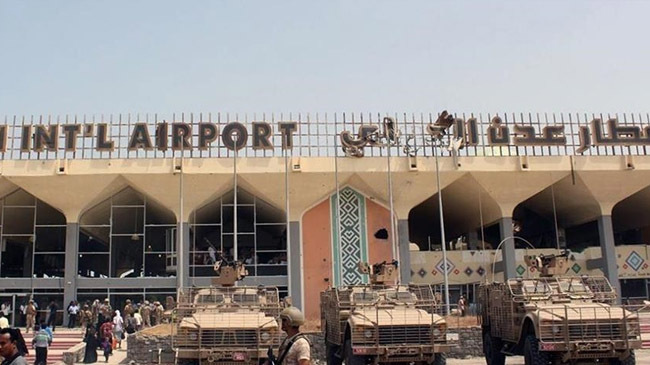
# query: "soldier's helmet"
{"type": "Point", "coordinates": [146, 302]}
{"type": "Point", "coordinates": [293, 315]}
{"type": "Point", "coordinates": [106, 300]}
{"type": "Point", "coordinates": [128, 301]}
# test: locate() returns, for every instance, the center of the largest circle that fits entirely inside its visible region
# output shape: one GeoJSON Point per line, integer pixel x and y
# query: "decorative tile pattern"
{"type": "Point", "coordinates": [468, 271]}
{"type": "Point", "coordinates": [441, 266]}
{"type": "Point", "coordinates": [351, 248]}
{"type": "Point", "coordinates": [576, 268]}
{"type": "Point", "coordinates": [422, 273]}
{"type": "Point", "coordinates": [634, 260]}
{"type": "Point", "coordinates": [521, 270]}
{"type": "Point", "coordinates": [480, 270]}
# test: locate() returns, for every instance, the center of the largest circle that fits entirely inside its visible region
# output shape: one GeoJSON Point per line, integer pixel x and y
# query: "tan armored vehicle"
{"type": "Point", "coordinates": [381, 322]}
{"type": "Point", "coordinates": [226, 323]}
{"type": "Point", "coordinates": [555, 319]}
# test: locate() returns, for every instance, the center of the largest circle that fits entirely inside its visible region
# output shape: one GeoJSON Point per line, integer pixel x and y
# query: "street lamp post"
{"type": "Point", "coordinates": [437, 131]}
{"type": "Point", "coordinates": [443, 240]}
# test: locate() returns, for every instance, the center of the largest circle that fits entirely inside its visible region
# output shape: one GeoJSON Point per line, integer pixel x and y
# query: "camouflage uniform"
{"type": "Point", "coordinates": [145, 312]}
{"type": "Point", "coordinates": [30, 313]}
{"type": "Point", "coordinates": [85, 317]}
{"type": "Point", "coordinates": [95, 311]}
{"type": "Point", "coordinates": [158, 312]}
{"type": "Point", "coordinates": [128, 308]}
{"type": "Point", "coordinates": [105, 310]}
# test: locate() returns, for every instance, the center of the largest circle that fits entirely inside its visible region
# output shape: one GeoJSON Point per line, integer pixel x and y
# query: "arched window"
{"type": "Point", "coordinates": [261, 235]}
{"type": "Point", "coordinates": [32, 236]}
{"type": "Point", "coordinates": [127, 236]}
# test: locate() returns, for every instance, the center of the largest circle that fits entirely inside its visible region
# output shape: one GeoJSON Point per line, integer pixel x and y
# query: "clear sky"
{"type": "Point", "coordinates": [323, 56]}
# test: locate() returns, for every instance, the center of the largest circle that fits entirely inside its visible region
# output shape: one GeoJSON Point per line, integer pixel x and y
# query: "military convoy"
{"type": "Point", "coordinates": [226, 323]}
{"type": "Point", "coordinates": [555, 319]}
{"type": "Point", "coordinates": [381, 322]}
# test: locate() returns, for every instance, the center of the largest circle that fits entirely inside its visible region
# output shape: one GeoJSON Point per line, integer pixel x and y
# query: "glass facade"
{"type": "Point", "coordinates": [127, 236]}
{"type": "Point", "coordinates": [261, 235]}
{"type": "Point", "coordinates": [32, 238]}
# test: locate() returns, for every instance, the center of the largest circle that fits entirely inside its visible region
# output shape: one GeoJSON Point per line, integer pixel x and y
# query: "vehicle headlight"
{"type": "Point", "coordinates": [368, 333]}
{"type": "Point", "coordinates": [556, 329]}
{"type": "Point", "coordinates": [265, 336]}
{"type": "Point", "coordinates": [193, 336]}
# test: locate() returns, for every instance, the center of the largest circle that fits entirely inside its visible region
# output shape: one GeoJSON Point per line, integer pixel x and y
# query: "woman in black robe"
{"type": "Point", "coordinates": [92, 343]}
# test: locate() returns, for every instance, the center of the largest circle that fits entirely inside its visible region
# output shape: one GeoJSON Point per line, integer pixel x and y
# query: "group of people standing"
{"type": "Point", "coordinates": [106, 328]}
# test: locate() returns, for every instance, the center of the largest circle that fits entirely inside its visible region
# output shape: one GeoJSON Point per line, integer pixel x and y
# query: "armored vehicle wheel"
{"type": "Point", "coordinates": [630, 360]}
{"type": "Point", "coordinates": [492, 350]}
{"type": "Point", "coordinates": [439, 359]}
{"type": "Point", "coordinates": [532, 355]}
{"type": "Point", "coordinates": [350, 358]}
{"type": "Point", "coordinates": [332, 354]}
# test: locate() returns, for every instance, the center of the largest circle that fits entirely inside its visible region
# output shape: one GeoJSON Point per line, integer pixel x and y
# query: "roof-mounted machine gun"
{"type": "Point", "coordinates": [549, 265]}
{"type": "Point", "coordinates": [380, 273]}
{"type": "Point", "coordinates": [228, 273]}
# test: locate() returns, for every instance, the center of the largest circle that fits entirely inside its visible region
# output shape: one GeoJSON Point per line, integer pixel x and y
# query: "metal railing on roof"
{"type": "Point", "coordinates": [318, 135]}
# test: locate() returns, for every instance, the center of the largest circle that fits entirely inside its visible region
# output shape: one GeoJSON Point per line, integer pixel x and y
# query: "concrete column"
{"type": "Point", "coordinates": [71, 257]}
{"type": "Point", "coordinates": [404, 252]}
{"type": "Point", "coordinates": [183, 244]}
{"type": "Point", "coordinates": [508, 247]}
{"type": "Point", "coordinates": [295, 264]}
{"type": "Point", "coordinates": [608, 251]}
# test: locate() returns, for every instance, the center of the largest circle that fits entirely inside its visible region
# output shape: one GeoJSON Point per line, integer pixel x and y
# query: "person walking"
{"type": "Point", "coordinates": [107, 347]}
{"type": "Point", "coordinates": [92, 343]}
{"type": "Point", "coordinates": [51, 318]}
{"type": "Point", "coordinates": [30, 314]}
{"type": "Point", "coordinates": [40, 343]}
{"type": "Point", "coordinates": [118, 328]}
{"type": "Point", "coordinates": [462, 306]}
{"type": "Point", "coordinates": [145, 312]}
{"type": "Point", "coordinates": [12, 347]}
{"type": "Point", "coordinates": [73, 310]}
{"type": "Point", "coordinates": [85, 317]}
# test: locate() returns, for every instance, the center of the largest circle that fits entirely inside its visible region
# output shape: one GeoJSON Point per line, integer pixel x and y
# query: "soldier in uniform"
{"type": "Point", "coordinates": [95, 312]}
{"type": "Point", "coordinates": [158, 311]}
{"type": "Point", "coordinates": [30, 314]}
{"type": "Point", "coordinates": [85, 317]}
{"type": "Point", "coordinates": [105, 311]}
{"type": "Point", "coordinates": [128, 308]}
{"type": "Point", "coordinates": [145, 312]}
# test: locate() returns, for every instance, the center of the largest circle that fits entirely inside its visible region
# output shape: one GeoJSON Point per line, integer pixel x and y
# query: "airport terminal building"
{"type": "Point", "coordinates": [135, 206]}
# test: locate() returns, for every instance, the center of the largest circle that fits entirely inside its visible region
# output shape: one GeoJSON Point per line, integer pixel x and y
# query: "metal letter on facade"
{"type": "Point", "coordinates": [103, 143]}
{"type": "Point", "coordinates": [181, 137]}
{"type": "Point", "coordinates": [287, 129]}
{"type": "Point", "coordinates": [208, 132]}
{"type": "Point", "coordinates": [71, 131]}
{"type": "Point", "coordinates": [231, 129]}
{"type": "Point", "coordinates": [261, 133]}
{"type": "Point", "coordinates": [498, 134]}
{"type": "Point", "coordinates": [140, 138]}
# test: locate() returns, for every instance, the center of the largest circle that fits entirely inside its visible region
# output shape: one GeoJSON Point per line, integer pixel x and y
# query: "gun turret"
{"type": "Point", "coordinates": [548, 265]}
{"type": "Point", "coordinates": [228, 273]}
{"type": "Point", "coordinates": [380, 273]}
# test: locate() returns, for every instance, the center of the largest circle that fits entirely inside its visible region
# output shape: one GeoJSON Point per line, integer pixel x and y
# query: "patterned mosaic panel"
{"type": "Point", "coordinates": [466, 267]}
{"type": "Point", "coordinates": [634, 260]}
{"type": "Point", "coordinates": [349, 243]}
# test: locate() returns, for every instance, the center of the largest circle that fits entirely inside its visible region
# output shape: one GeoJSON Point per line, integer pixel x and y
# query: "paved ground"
{"type": "Point", "coordinates": [642, 357]}
{"type": "Point", "coordinates": [118, 357]}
